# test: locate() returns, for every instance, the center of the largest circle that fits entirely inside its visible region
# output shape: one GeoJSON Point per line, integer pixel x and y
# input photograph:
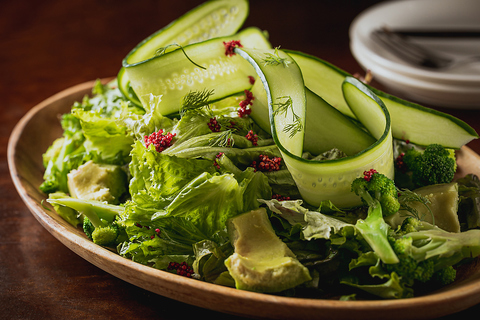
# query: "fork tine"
{"type": "Point", "coordinates": [404, 45]}
{"type": "Point", "coordinates": [397, 46]}
{"type": "Point", "coordinates": [408, 50]}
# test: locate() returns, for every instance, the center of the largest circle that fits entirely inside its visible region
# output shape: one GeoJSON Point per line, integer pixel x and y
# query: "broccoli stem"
{"type": "Point", "coordinates": [99, 213]}
{"type": "Point", "coordinates": [374, 230]}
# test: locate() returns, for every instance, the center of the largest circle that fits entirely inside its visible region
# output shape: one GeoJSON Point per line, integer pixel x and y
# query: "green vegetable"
{"type": "Point", "coordinates": [319, 180]}
{"type": "Point", "coordinates": [436, 204]}
{"type": "Point", "coordinates": [65, 154]}
{"type": "Point", "coordinates": [409, 268]}
{"type": "Point", "coordinates": [446, 247]}
{"type": "Point", "coordinates": [261, 261]}
{"type": "Point", "coordinates": [434, 165]}
{"type": "Point", "coordinates": [410, 121]}
{"type": "Point", "coordinates": [427, 256]}
{"type": "Point", "coordinates": [377, 186]}
{"type": "Point", "coordinates": [172, 75]}
{"type": "Point", "coordinates": [380, 195]}
{"type": "Point", "coordinates": [100, 222]}
{"type": "Point", "coordinates": [209, 20]}
{"type": "Point", "coordinates": [91, 131]}
{"type": "Point", "coordinates": [68, 214]}
{"type": "Point", "coordinates": [428, 253]}
{"type": "Point", "coordinates": [102, 235]}
{"type": "Point", "coordinates": [325, 128]}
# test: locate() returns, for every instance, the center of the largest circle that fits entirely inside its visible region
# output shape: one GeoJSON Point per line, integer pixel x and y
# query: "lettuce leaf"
{"type": "Point", "coordinates": [104, 139]}
{"type": "Point", "coordinates": [208, 201]}
{"type": "Point", "coordinates": [160, 175]}
{"type": "Point", "coordinates": [65, 154]}
{"type": "Point", "coordinates": [315, 225]}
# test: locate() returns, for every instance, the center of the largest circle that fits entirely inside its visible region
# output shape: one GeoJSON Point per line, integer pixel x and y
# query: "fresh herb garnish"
{"type": "Point", "coordinates": [275, 59]}
{"type": "Point", "coordinates": [282, 108]}
{"type": "Point", "coordinates": [195, 100]}
{"type": "Point", "coordinates": [407, 196]}
{"type": "Point", "coordinates": [224, 139]}
{"type": "Point", "coordinates": [163, 50]}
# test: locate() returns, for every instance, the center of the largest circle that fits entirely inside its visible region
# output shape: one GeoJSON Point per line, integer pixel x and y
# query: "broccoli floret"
{"type": "Point", "coordinates": [410, 224]}
{"type": "Point", "coordinates": [408, 268]}
{"type": "Point", "coordinates": [444, 276]}
{"type": "Point", "coordinates": [108, 235]}
{"type": "Point", "coordinates": [375, 186]}
{"type": "Point", "coordinates": [100, 222]}
{"type": "Point", "coordinates": [428, 254]}
{"type": "Point", "coordinates": [427, 257]}
{"type": "Point", "coordinates": [378, 192]}
{"type": "Point", "coordinates": [434, 165]}
{"type": "Point", "coordinates": [88, 228]}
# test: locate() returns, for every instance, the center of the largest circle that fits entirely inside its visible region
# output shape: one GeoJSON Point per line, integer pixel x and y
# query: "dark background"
{"type": "Point", "coordinates": [47, 46]}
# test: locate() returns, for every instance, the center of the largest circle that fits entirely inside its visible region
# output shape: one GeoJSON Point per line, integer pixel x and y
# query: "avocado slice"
{"type": "Point", "coordinates": [261, 262]}
{"type": "Point", "coordinates": [100, 182]}
{"type": "Point", "coordinates": [443, 203]}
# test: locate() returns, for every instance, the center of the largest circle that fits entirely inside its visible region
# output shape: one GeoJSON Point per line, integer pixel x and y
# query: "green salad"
{"type": "Point", "coordinates": [217, 156]}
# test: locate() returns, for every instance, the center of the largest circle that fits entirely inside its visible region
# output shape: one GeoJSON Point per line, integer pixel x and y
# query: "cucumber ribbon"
{"type": "Point", "coordinates": [325, 179]}
{"type": "Point", "coordinates": [214, 18]}
{"type": "Point", "coordinates": [172, 75]}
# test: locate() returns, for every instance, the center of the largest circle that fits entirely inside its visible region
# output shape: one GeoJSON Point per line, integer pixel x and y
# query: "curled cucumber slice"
{"type": "Point", "coordinates": [214, 18]}
{"type": "Point", "coordinates": [321, 180]}
{"type": "Point", "coordinates": [325, 127]}
{"type": "Point", "coordinates": [410, 121]}
{"type": "Point", "coordinates": [126, 89]}
{"type": "Point", "coordinates": [198, 66]}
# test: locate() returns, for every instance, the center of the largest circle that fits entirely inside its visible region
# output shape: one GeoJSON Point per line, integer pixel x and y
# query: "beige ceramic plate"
{"type": "Point", "coordinates": [36, 131]}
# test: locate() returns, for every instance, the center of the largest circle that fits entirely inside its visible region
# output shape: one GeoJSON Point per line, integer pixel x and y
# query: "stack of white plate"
{"type": "Point", "coordinates": [457, 87]}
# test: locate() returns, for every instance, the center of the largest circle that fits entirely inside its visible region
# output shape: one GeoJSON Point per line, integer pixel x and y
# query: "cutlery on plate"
{"type": "Point", "coordinates": [416, 54]}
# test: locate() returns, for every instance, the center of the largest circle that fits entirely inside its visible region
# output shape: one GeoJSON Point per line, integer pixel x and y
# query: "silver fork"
{"type": "Point", "coordinates": [415, 54]}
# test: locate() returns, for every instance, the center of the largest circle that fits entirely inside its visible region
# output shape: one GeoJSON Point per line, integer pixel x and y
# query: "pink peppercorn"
{"type": "Point", "coordinates": [230, 46]}
{"type": "Point", "coordinates": [244, 110]}
{"type": "Point", "coordinates": [252, 137]}
{"type": "Point", "coordinates": [159, 140]}
{"type": "Point", "coordinates": [367, 175]}
{"type": "Point", "coordinates": [214, 125]}
{"type": "Point", "coordinates": [280, 197]}
{"type": "Point", "coordinates": [266, 164]}
{"type": "Point", "coordinates": [182, 269]}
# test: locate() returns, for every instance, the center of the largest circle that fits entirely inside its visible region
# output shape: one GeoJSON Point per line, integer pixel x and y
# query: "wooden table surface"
{"type": "Point", "coordinates": [47, 46]}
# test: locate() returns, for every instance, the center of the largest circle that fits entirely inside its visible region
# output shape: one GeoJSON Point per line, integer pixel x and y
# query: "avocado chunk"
{"type": "Point", "coordinates": [261, 261]}
{"type": "Point", "coordinates": [443, 204]}
{"type": "Point", "coordinates": [100, 182]}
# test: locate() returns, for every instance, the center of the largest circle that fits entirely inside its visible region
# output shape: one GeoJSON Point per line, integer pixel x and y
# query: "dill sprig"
{"type": "Point", "coordinates": [282, 108]}
{"type": "Point", "coordinates": [407, 196]}
{"type": "Point", "coordinates": [163, 50]}
{"type": "Point", "coordinates": [275, 59]}
{"type": "Point", "coordinates": [224, 139]}
{"type": "Point", "coordinates": [195, 100]}
{"type": "Point", "coordinates": [294, 127]}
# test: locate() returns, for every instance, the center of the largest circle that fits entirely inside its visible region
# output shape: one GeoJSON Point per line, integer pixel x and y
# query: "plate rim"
{"type": "Point", "coordinates": [356, 33]}
{"type": "Point", "coordinates": [242, 302]}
